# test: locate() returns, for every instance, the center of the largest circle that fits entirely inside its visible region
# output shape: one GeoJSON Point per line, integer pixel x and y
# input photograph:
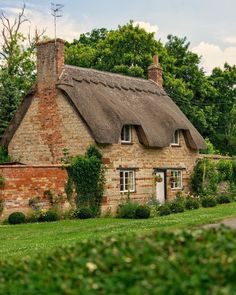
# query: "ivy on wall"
{"type": "Point", "coordinates": [86, 179]}
{"type": "Point", "coordinates": [208, 175]}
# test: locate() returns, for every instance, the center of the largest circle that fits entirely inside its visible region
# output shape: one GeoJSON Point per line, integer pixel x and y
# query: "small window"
{"type": "Point", "coordinates": [176, 179]}
{"type": "Point", "coordinates": [126, 134]}
{"type": "Point", "coordinates": [127, 181]}
{"type": "Point", "coordinates": [175, 139]}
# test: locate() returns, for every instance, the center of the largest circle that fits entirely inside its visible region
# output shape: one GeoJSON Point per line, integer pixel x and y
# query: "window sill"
{"type": "Point", "coordinates": [177, 189]}
{"type": "Point", "coordinates": [175, 145]}
{"type": "Point", "coordinates": [126, 143]}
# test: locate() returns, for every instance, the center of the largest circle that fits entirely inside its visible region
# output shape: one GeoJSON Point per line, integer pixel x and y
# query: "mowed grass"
{"type": "Point", "coordinates": [30, 239]}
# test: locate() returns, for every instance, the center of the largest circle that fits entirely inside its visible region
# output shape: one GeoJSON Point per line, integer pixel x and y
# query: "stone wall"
{"type": "Point", "coordinates": [50, 125]}
{"type": "Point", "coordinates": [25, 182]}
{"type": "Point", "coordinates": [145, 160]}
{"type": "Point", "coordinates": [37, 141]}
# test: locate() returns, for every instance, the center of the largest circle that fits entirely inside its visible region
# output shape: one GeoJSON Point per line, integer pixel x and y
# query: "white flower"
{"type": "Point", "coordinates": [91, 266]}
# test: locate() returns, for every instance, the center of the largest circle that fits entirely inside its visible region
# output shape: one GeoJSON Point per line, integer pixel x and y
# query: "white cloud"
{"type": "Point", "coordinates": [147, 26]}
{"type": "Point", "coordinates": [230, 39]}
{"type": "Point", "coordinates": [214, 56]}
{"type": "Point", "coordinates": [66, 28]}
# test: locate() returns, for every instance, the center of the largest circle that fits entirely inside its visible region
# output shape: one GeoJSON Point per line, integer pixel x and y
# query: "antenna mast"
{"type": "Point", "coordinates": [56, 11]}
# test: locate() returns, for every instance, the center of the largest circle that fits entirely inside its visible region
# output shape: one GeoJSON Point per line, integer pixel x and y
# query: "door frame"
{"type": "Point", "coordinates": [156, 170]}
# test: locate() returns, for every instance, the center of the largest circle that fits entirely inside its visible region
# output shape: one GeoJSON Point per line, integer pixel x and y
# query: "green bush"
{"type": "Point", "coordinates": [16, 218]}
{"type": "Point", "coordinates": [208, 201]}
{"type": "Point", "coordinates": [184, 262]}
{"type": "Point", "coordinates": [4, 158]}
{"type": "Point", "coordinates": [86, 179]}
{"type": "Point", "coordinates": [205, 177]}
{"type": "Point", "coordinates": [176, 206]}
{"type": "Point", "coordinates": [142, 212]}
{"type": "Point", "coordinates": [51, 215]}
{"type": "Point", "coordinates": [2, 205]}
{"type": "Point", "coordinates": [164, 210]}
{"type": "Point", "coordinates": [127, 210]}
{"type": "Point", "coordinates": [83, 213]}
{"type": "Point", "coordinates": [192, 203]}
{"type": "Point", "coordinates": [223, 199]}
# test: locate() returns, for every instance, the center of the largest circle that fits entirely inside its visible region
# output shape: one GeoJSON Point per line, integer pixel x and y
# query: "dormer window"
{"type": "Point", "coordinates": [126, 134]}
{"type": "Point", "coordinates": [175, 139]}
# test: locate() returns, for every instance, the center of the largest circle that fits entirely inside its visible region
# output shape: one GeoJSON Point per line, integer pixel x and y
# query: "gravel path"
{"type": "Point", "coordinates": [227, 222]}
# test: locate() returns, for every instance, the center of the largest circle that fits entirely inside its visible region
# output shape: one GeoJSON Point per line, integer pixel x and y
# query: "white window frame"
{"type": "Point", "coordinates": [176, 135]}
{"type": "Point", "coordinates": [124, 174]}
{"type": "Point", "coordinates": [126, 128]}
{"type": "Point", "coordinates": [178, 182]}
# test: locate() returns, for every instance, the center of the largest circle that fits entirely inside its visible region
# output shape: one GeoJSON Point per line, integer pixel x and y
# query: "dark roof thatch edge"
{"type": "Point", "coordinates": [17, 118]}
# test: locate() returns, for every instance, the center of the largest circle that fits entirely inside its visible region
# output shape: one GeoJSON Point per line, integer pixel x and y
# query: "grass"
{"type": "Point", "coordinates": [30, 239]}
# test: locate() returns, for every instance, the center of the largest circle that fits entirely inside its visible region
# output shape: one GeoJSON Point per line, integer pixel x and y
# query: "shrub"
{"type": "Point", "coordinates": [164, 210]}
{"type": "Point", "coordinates": [51, 216]}
{"type": "Point", "coordinates": [86, 179]}
{"type": "Point", "coordinates": [2, 205]}
{"type": "Point", "coordinates": [208, 201]}
{"type": "Point", "coordinates": [127, 210]}
{"type": "Point", "coordinates": [130, 265]}
{"type": "Point", "coordinates": [192, 203]}
{"type": "Point", "coordinates": [83, 213]}
{"type": "Point", "coordinates": [223, 199]}
{"type": "Point", "coordinates": [142, 212]}
{"type": "Point", "coordinates": [176, 206]}
{"type": "Point", "coordinates": [205, 177]}
{"type": "Point", "coordinates": [2, 182]}
{"type": "Point", "coordinates": [16, 218]}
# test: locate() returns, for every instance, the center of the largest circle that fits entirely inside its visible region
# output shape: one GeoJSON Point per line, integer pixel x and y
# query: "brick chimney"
{"type": "Point", "coordinates": [50, 63]}
{"type": "Point", "coordinates": [155, 72]}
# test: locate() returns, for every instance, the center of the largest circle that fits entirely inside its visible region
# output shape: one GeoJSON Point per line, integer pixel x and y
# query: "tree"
{"type": "Point", "coordinates": [17, 72]}
{"type": "Point", "coordinates": [223, 134]}
{"type": "Point", "coordinates": [127, 50]}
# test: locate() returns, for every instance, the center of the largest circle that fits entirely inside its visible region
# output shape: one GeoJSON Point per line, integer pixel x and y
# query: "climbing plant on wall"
{"type": "Point", "coordinates": [86, 179]}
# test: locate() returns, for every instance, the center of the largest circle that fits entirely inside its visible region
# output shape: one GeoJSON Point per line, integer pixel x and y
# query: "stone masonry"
{"type": "Point", "coordinates": [52, 124]}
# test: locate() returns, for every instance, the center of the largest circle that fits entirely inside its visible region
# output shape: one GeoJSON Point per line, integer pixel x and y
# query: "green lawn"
{"type": "Point", "coordinates": [29, 239]}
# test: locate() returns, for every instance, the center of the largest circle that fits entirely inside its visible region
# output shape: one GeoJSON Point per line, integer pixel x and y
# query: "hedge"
{"type": "Point", "coordinates": [185, 262]}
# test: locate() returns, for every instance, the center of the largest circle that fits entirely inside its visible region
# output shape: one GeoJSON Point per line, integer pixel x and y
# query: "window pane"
{"type": "Point", "coordinates": [126, 133]}
{"type": "Point", "coordinates": [121, 181]}
{"type": "Point", "coordinates": [127, 181]}
{"type": "Point", "coordinates": [131, 180]}
{"type": "Point", "coordinates": [126, 173]}
{"type": "Point", "coordinates": [176, 179]}
{"type": "Point", "coordinates": [175, 139]}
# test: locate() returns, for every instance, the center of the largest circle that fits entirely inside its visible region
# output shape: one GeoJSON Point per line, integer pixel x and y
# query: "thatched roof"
{"type": "Point", "coordinates": [108, 101]}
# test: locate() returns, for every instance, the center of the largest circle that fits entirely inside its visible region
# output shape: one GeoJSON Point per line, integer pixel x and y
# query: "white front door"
{"type": "Point", "coordinates": [160, 186]}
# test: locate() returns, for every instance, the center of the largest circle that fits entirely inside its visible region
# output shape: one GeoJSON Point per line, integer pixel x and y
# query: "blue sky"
{"type": "Point", "coordinates": [209, 25]}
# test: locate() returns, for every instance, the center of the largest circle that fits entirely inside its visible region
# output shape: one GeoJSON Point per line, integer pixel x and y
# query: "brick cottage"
{"type": "Point", "coordinates": [147, 143]}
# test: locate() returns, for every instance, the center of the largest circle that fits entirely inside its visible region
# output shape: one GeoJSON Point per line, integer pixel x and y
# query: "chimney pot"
{"type": "Point", "coordinates": [155, 72]}
{"type": "Point", "coordinates": [155, 60]}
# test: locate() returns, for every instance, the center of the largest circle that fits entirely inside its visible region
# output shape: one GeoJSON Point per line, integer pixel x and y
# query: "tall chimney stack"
{"type": "Point", "coordinates": [50, 63]}
{"type": "Point", "coordinates": [155, 72]}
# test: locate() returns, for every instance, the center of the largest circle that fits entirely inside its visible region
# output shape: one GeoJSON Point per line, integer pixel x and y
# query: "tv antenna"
{"type": "Point", "coordinates": [56, 11]}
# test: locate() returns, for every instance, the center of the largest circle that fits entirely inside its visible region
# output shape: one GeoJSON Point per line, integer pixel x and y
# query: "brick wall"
{"type": "Point", "coordinates": [25, 182]}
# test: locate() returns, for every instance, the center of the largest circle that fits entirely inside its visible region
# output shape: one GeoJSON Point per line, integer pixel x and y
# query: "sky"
{"type": "Point", "coordinates": [209, 25]}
